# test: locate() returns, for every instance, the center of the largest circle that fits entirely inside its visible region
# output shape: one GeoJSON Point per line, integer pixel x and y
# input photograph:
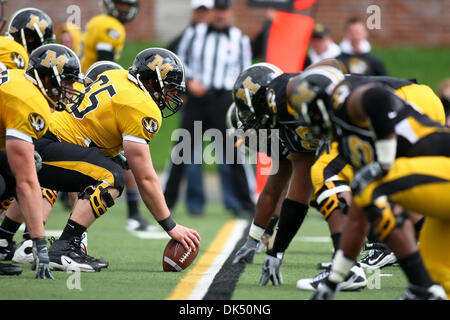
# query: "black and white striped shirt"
{"type": "Point", "coordinates": [215, 58]}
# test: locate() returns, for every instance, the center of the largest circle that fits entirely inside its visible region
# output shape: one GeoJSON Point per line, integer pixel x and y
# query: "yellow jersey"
{"type": "Point", "coordinates": [13, 54]}
{"type": "Point", "coordinates": [105, 33]}
{"type": "Point", "coordinates": [113, 109]}
{"type": "Point", "coordinates": [24, 111]}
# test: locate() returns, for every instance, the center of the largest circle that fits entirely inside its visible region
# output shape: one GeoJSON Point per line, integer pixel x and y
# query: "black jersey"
{"type": "Point", "coordinates": [416, 133]}
{"type": "Point", "coordinates": [296, 137]}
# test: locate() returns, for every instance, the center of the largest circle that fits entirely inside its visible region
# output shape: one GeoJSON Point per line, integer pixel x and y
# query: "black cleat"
{"type": "Point", "coordinates": [9, 270]}
{"type": "Point", "coordinates": [67, 255]}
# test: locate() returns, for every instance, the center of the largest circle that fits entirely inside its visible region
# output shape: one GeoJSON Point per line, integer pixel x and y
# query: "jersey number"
{"type": "Point", "coordinates": [101, 84]}
{"type": "Point", "coordinates": [361, 152]}
{"type": "Point", "coordinates": [308, 140]}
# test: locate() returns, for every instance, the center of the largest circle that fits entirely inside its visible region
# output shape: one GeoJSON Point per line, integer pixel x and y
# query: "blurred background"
{"type": "Point", "coordinates": [413, 40]}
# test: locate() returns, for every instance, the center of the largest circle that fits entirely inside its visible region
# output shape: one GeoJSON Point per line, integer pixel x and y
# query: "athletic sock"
{"type": "Point", "coordinates": [291, 218]}
{"type": "Point", "coordinates": [26, 234]}
{"type": "Point", "coordinates": [71, 230]}
{"type": "Point", "coordinates": [8, 228]}
{"type": "Point", "coordinates": [133, 202]}
{"type": "Point", "coordinates": [336, 237]}
{"type": "Point", "coordinates": [415, 270]}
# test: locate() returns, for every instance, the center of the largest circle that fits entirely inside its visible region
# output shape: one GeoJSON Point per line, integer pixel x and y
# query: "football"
{"type": "Point", "coordinates": [176, 258]}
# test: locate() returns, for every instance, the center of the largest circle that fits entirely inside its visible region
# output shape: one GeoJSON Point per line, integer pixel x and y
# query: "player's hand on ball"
{"type": "Point", "coordinates": [189, 238]}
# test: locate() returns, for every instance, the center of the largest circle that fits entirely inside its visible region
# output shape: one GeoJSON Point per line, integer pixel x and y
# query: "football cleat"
{"type": "Point", "coordinates": [68, 255]}
{"type": "Point", "coordinates": [138, 223]}
{"type": "Point", "coordinates": [379, 256]}
{"type": "Point", "coordinates": [7, 249]}
{"type": "Point", "coordinates": [434, 292]}
{"type": "Point", "coordinates": [24, 252]}
{"type": "Point", "coordinates": [355, 280]}
{"type": "Point", "coordinates": [323, 292]}
{"type": "Point", "coordinates": [9, 269]}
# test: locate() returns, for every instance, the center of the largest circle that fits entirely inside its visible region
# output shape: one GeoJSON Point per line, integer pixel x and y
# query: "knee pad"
{"type": "Point", "coordinates": [328, 200]}
{"type": "Point", "coordinates": [5, 203]}
{"type": "Point", "coordinates": [381, 211]}
{"type": "Point", "coordinates": [95, 195]}
{"type": "Point", "coordinates": [50, 195]}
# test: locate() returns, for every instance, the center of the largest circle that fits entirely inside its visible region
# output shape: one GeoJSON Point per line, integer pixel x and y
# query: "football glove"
{"type": "Point", "coordinates": [121, 160]}
{"type": "Point", "coordinates": [37, 161]}
{"type": "Point", "coordinates": [271, 270]}
{"type": "Point", "coordinates": [365, 176]}
{"type": "Point", "coordinates": [323, 291]}
{"type": "Point", "coordinates": [41, 260]}
{"type": "Point", "coordinates": [247, 252]}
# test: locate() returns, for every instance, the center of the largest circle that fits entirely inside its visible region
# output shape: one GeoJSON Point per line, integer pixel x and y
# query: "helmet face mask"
{"type": "Point", "coordinates": [31, 28]}
{"type": "Point", "coordinates": [310, 97]}
{"type": "Point", "coordinates": [249, 95]}
{"type": "Point", "coordinates": [160, 73]}
{"type": "Point", "coordinates": [123, 10]}
{"type": "Point", "coordinates": [54, 68]}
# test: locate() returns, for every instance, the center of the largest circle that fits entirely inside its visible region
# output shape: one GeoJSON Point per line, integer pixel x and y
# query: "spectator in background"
{"type": "Point", "coordinates": [444, 94]}
{"type": "Point", "coordinates": [200, 13]}
{"type": "Point", "coordinates": [214, 55]}
{"type": "Point", "coordinates": [322, 46]}
{"type": "Point", "coordinates": [69, 34]}
{"type": "Point", "coordinates": [356, 56]}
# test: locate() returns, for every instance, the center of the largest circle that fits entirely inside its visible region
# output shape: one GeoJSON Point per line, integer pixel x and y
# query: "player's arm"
{"type": "Point", "coordinates": [379, 106]}
{"type": "Point", "coordinates": [269, 197]}
{"type": "Point", "coordinates": [21, 161]}
{"type": "Point", "coordinates": [140, 162]}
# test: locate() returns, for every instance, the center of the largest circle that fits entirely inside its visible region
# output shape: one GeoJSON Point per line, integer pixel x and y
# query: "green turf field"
{"type": "Point", "coordinates": [135, 270]}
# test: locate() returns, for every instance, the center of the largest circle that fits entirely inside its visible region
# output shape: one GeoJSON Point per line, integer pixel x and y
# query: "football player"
{"type": "Point", "coordinates": [395, 150]}
{"type": "Point", "coordinates": [121, 110]}
{"type": "Point", "coordinates": [331, 179]}
{"type": "Point", "coordinates": [25, 115]}
{"type": "Point", "coordinates": [260, 97]}
{"type": "Point", "coordinates": [104, 36]}
{"type": "Point", "coordinates": [104, 39]}
{"type": "Point", "coordinates": [28, 29]}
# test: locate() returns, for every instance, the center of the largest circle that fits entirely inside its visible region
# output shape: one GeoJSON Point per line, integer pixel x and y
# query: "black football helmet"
{"type": "Point", "coordinates": [160, 73]}
{"type": "Point", "coordinates": [97, 68]}
{"type": "Point", "coordinates": [54, 68]}
{"type": "Point", "coordinates": [310, 97]}
{"type": "Point", "coordinates": [31, 28]}
{"type": "Point", "coordinates": [249, 95]}
{"type": "Point", "coordinates": [123, 16]}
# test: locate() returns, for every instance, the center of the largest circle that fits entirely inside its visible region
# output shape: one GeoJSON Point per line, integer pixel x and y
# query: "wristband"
{"type": "Point", "coordinates": [167, 224]}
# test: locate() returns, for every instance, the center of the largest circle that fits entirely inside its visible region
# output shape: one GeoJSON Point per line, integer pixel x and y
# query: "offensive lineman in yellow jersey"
{"type": "Point", "coordinates": [28, 29]}
{"type": "Point", "coordinates": [104, 36]}
{"type": "Point", "coordinates": [130, 115]}
{"type": "Point", "coordinates": [25, 100]}
{"type": "Point", "coordinates": [120, 110]}
{"type": "Point", "coordinates": [124, 110]}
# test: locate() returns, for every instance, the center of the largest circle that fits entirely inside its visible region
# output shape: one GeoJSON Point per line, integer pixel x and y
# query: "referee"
{"type": "Point", "coordinates": [214, 55]}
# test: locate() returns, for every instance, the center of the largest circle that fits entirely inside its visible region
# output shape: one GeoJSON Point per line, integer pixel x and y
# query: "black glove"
{"type": "Point", "coordinates": [271, 271]}
{"type": "Point", "coordinates": [366, 175]}
{"type": "Point", "coordinates": [121, 160]}
{"type": "Point", "coordinates": [41, 260]}
{"type": "Point", "coordinates": [247, 252]}
{"type": "Point", "coordinates": [37, 161]}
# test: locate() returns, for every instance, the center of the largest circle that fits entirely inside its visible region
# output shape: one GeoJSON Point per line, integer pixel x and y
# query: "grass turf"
{"type": "Point", "coordinates": [135, 271]}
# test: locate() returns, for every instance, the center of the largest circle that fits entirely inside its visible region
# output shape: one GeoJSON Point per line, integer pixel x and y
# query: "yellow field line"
{"type": "Point", "coordinates": [184, 289]}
